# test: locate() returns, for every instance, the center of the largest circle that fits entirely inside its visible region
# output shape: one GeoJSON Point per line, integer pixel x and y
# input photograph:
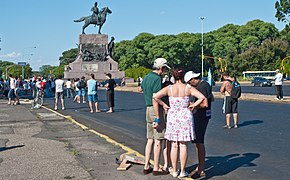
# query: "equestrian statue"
{"type": "Point", "coordinates": [97, 18]}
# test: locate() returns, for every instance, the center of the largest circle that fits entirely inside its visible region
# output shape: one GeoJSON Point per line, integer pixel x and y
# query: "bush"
{"type": "Point", "coordinates": [137, 72]}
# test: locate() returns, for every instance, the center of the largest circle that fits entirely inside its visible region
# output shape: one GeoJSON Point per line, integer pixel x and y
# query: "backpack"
{"type": "Point", "coordinates": [236, 90]}
{"type": "Point", "coordinates": [81, 84]}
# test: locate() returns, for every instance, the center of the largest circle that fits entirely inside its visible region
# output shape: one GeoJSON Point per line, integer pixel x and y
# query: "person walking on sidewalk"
{"type": "Point", "coordinates": [59, 85]}
{"type": "Point", "coordinates": [18, 87]}
{"type": "Point", "coordinates": [230, 104]}
{"type": "Point", "coordinates": [110, 86]}
{"type": "Point", "coordinates": [11, 93]}
{"type": "Point", "coordinates": [180, 124]}
{"type": "Point", "coordinates": [278, 83]}
{"type": "Point", "coordinates": [92, 93]}
{"type": "Point", "coordinates": [154, 117]}
{"type": "Point", "coordinates": [201, 118]}
{"type": "Point", "coordinates": [77, 91]}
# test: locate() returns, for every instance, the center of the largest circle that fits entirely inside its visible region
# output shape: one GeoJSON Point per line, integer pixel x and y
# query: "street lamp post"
{"type": "Point", "coordinates": [202, 55]}
{"type": "Point", "coordinates": [6, 77]}
{"type": "Point", "coordinates": [26, 57]}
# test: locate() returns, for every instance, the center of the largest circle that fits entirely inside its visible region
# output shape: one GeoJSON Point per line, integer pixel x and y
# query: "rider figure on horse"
{"type": "Point", "coordinates": [96, 12]}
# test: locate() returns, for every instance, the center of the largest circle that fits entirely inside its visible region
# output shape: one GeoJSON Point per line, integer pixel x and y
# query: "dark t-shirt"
{"type": "Point", "coordinates": [206, 90]}
{"type": "Point", "coordinates": [111, 84]}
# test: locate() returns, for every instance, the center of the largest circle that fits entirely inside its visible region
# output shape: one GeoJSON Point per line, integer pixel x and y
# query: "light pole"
{"type": "Point", "coordinates": [7, 70]}
{"type": "Point", "coordinates": [26, 56]}
{"type": "Point", "coordinates": [202, 55]}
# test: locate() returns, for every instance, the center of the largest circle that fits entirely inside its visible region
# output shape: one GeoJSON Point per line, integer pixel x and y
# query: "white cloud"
{"type": "Point", "coordinates": [11, 55]}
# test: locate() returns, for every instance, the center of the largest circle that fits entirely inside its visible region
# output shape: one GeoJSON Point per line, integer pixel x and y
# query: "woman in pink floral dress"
{"type": "Point", "coordinates": [179, 127]}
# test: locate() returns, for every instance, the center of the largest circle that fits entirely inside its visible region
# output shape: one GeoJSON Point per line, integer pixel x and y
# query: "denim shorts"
{"type": "Point", "coordinates": [93, 98]}
{"type": "Point", "coordinates": [11, 94]}
{"type": "Point", "coordinates": [82, 92]}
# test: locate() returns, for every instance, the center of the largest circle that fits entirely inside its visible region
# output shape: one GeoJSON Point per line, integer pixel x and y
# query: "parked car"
{"type": "Point", "coordinates": [260, 81]}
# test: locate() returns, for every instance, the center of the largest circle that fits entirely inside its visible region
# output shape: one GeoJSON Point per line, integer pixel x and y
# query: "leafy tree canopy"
{"type": "Point", "coordinates": [283, 11]}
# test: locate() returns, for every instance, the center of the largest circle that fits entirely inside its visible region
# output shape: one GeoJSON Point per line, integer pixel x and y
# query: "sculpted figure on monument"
{"type": "Point", "coordinates": [87, 55]}
{"type": "Point", "coordinates": [97, 18]}
{"type": "Point", "coordinates": [95, 11]}
{"type": "Point", "coordinates": [111, 48]}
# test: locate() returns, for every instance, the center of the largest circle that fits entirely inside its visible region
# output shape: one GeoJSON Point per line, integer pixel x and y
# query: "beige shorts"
{"type": "Point", "coordinates": [153, 133]}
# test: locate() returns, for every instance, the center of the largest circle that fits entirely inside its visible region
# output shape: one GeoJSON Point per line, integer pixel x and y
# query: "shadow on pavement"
{"type": "Point", "coordinates": [222, 165]}
{"type": "Point", "coordinates": [11, 147]}
{"type": "Point", "coordinates": [250, 122]}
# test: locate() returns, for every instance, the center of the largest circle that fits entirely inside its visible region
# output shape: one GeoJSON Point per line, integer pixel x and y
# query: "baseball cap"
{"type": "Point", "coordinates": [160, 62]}
{"type": "Point", "coordinates": [189, 75]}
{"type": "Point", "coordinates": [277, 70]}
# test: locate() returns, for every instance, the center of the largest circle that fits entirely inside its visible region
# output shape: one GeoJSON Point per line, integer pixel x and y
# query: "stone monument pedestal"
{"type": "Point", "coordinates": [92, 58]}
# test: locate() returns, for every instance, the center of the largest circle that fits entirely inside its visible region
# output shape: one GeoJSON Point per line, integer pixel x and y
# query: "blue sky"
{"type": "Point", "coordinates": [38, 31]}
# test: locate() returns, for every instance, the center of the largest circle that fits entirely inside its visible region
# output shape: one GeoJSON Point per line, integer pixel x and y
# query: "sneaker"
{"type": "Point", "coordinates": [63, 108]}
{"type": "Point", "coordinates": [281, 99]}
{"type": "Point", "coordinates": [227, 126]}
{"type": "Point", "coordinates": [84, 102]}
{"type": "Point", "coordinates": [235, 126]}
{"type": "Point", "coordinates": [276, 98]}
{"type": "Point", "coordinates": [175, 174]}
{"type": "Point", "coordinates": [55, 108]}
{"type": "Point", "coordinates": [183, 174]}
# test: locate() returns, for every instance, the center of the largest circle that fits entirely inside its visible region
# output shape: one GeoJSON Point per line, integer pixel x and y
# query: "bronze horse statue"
{"type": "Point", "coordinates": [100, 20]}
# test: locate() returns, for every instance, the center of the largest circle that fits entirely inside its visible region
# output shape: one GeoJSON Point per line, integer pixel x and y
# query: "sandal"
{"type": "Point", "coordinates": [147, 171]}
{"type": "Point", "coordinates": [160, 172]}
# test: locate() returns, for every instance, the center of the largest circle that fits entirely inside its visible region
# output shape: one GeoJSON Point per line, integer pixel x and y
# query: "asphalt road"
{"type": "Point", "coordinates": [258, 149]}
{"type": "Point", "coordinates": [248, 88]}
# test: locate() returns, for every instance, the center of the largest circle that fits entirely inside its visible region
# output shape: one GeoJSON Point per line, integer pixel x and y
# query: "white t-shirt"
{"type": "Point", "coordinates": [59, 85]}
{"type": "Point", "coordinates": [68, 84]}
{"type": "Point", "coordinates": [76, 86]}
{"type": "Point", "coordinates": [12, 83]}
{"type": "Point", "coordinates": [278, 79]}
{"type": "Point", "coordinates": [38, 84]}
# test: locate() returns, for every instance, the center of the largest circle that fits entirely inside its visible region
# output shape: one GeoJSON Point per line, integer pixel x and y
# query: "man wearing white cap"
{"type": "Point", "coordinates": [201, 118]}
{"type": "Point", "coordinates": [151, 84]}
{"type": "Point", "coordinates": [278, 83]}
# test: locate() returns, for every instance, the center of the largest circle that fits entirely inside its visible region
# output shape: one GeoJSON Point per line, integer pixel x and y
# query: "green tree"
{"type": "Point", "coordinates": [59, 70]}
{"type": "Point", "coordinates": [137, 72]}
{"type": "Point", "coordinates": [17, 71]}
{"type": "Point", "coordinates": [68, 56]}
{"type": "Point", "coordinates": [3, 66]}
{"type": "Point", "coordinates": [45, 70]}
{"type": "Point", "coordinates": [283, 11]}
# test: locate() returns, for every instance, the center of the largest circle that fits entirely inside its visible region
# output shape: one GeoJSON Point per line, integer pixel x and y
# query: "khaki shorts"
{"type": "Point", "coordinates": [150, 117]}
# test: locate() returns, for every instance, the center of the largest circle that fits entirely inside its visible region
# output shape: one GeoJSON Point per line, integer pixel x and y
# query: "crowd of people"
{"type": "Point", "coordinates": [178, 110]}
{"type": "Point", "coordinates": [79, 89]}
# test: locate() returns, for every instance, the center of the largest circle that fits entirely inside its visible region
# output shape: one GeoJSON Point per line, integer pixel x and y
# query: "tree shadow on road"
{"type": "Point", "coordinates": [250, 122]}
{"type": "Point", "coordinates": [11, 147]}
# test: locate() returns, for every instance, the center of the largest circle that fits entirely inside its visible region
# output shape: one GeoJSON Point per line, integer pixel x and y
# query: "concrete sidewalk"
{"type": "Point", "coordinates": [40, 144]}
